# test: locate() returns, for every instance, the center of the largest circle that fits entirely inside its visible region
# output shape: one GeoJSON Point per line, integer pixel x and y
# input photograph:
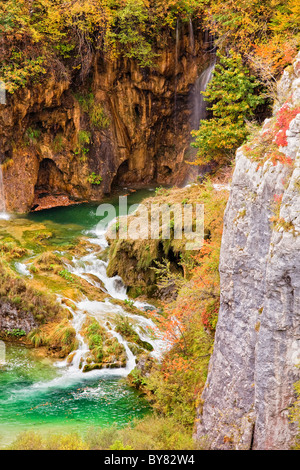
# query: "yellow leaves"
{"type": "Point", "coordinates": [243, 24]}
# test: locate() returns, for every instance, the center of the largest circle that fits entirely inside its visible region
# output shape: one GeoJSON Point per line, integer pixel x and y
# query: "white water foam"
{"type": "Point", "coordinates": [3, 214]}
{"type": "Point", "coordinates": [71, 369]}
{"type": "Point", "coordinates": [23, 269]}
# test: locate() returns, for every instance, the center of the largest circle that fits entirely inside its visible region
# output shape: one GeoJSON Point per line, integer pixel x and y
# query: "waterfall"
{"type": "Point", "coordinates": [106, 313]}
{"type": "Point", "coordinates": [192, 37]}
{"type": "Point", "coordinates": [177, 47]}
{"type": "Point", "coordinates": [198, 104]}
{"type": "Point", "coordinates": [3, 214]}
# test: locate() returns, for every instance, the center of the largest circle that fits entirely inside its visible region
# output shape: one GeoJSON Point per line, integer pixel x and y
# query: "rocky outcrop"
{"type": "Point", "coordinates": [53, 144]}
{"type": "Point", "coordinates": [12, 319]}
{"type": "Point", "coordinates": [249, 389]}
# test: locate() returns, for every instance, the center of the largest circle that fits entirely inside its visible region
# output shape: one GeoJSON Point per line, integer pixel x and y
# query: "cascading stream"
{"type": "Point", "coordinates": [3, 213]}
{"type": "Point", "coordinates": [103, 311]}
{"type": "Point", "coordinates": [192, 37]}
{"type": "Point", "coordinates": [45, 395]}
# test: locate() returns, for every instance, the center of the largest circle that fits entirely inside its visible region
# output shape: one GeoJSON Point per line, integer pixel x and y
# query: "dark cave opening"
{"type": "Point", "coordinates": [172, 257]}
{"type": "Point", "coordinates": [50, 178]}
{"type": "Point", "coordinates": [50, 187]}
{"type": "Point", "coordinates": [118, 180]}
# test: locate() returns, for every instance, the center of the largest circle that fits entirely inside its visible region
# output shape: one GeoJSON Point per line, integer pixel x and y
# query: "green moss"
{"type": "Point", "coordinates": [126, 329]}
{"type": "Point", "coordinates": [83, 142]}
{"type": "Point", "coordinates": [105, 351]}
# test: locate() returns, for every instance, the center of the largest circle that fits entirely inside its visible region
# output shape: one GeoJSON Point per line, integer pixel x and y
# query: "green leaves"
{"type": "Point", "coordinates": [234, 95]}
{"type": "Point", "coordinates": [129, 31]}
{"type": "Point", "coordinates": [17, 73]}
{"type": "Point", "coordinates": [94, 179]}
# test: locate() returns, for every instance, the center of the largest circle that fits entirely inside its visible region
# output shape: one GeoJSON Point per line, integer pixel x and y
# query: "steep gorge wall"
{"type": "Point", "coordinates": [249, 389]}
{"type": "Point", "coordinates": [146, 140]}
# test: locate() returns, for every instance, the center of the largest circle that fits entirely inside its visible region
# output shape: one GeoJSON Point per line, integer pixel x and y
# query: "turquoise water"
{"type": "Point", "coordinates": [35, 395]}
{"type": "Point", "coordinates": [76, 220]}
{"type": "Point", "coordinates": [38, 395]}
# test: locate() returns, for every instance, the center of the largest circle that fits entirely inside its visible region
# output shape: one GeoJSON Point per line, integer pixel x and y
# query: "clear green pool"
{"type": "Point", "coordinates": [36, 394]}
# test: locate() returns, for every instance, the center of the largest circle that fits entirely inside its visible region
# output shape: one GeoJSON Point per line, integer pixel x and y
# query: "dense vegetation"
{"type": "Point", "coordinates": [153, 432]}
{"type": "Point", "coordinates": [256, 40]}
{"type": "Point", "coordinates": [234, 95]}
{"type": "Point", "coordinates": [42, 35]}
{"type": "Point", "coordinates": [188, 319]}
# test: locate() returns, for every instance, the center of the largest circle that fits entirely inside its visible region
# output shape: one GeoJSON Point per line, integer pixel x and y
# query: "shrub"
{"type": "Point", "coordinates": [83, 140]}
{"type": "Point", "coordinates": [33, 441]}
{"type": "Point", "coordinates": [94, 179]}
{"type": "Point", "coordinates": [17, 332]}
{"type": "Point", "coordinates": [98, 117]}
{"type": "Point", "coordinates": [66, 275]}
{"type": "Point", "coordinates": [234, 96]}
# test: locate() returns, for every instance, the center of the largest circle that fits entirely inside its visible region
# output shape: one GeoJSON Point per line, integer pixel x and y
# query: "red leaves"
{"type": "Point", "coordinates": [278, 157]}
{"type": "Point", "coordinates": [267, 145]}
{"type": "Point", "coordinates": [284, 117]}
{"type": "Point", "coordinates": [278, 197]}
{"type": "Point", "coordinates": [280, 138]}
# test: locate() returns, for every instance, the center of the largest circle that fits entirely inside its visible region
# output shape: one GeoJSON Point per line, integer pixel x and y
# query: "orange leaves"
{"type": "Point", "coordinates": [279, 157]}
{"type": "Point", "coordinates": [278, 198]}
{"type": "Point", "coordinates": [284, 117]}
{"type": "Point", "coordinates": [267, 144]}
{"type": "Point", "coordinates": [266, 33]}
{"type": "Point", "coordinates": [176, 365]}
{"type": "Point", "coordinates": [275, 55]}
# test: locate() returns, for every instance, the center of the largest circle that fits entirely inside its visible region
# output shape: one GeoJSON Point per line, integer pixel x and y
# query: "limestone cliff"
{"type": "Point", "coordinates": [249, 388]}
{"type": "Point", "coordinates": [137, 132]}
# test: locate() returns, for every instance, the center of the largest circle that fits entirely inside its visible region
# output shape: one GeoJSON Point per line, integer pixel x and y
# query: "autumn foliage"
{"type": "Point", "coordinates": [233, 96]}
{"type": "Point", "coordinates": [269, 143]}
{"type": "Point", "coordinates": [284, 117]}
{"type": "Point", "coordinates": [265, 32]}
{"type": "Point", "coordinates": [41, 35]}
{"type": "Point", "coordinates": [189, 321]}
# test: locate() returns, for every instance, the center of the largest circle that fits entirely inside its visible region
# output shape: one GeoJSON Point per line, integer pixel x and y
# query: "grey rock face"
{"type": "Point", "coordinates": [252, 372]}
{"type": "Point", "coordinates": [11, 318]}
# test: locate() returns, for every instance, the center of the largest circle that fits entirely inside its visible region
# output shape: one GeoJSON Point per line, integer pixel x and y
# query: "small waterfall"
{"type": "Point", "coordinates": [3, 213]}
{"type": "Point", "coordinates": [177, 47]}
{"type": "Point", "coordinates": [90, 264]}
{"type": "Point", "coordinates": [198, 104]}
{"type": "Point", "coordinates": [22, 269]}
{"type": "Point", "coordinates": [192, 37]}
{"type": "Point", "coordinates": [93, 270]}
{"type": "Point", "coordinates": [177, 51]}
